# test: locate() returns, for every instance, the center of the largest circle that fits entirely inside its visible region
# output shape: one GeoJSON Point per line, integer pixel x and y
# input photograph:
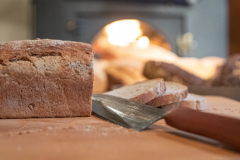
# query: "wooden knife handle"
{"type": "Point", "coordinates": [221, 128]}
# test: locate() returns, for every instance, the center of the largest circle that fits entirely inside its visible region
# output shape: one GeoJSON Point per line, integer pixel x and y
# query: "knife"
{"type": "Point", "coordinates": [138, 116]}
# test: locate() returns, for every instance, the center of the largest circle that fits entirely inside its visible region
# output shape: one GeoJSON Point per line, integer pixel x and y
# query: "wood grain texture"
{"type": "Point", "coordinates": [94, 138]}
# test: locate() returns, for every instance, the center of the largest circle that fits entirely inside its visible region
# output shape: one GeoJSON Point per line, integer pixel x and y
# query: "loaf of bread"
{"type": "Point", "coordinates": [45, 78]}
{"type": "Point", "coordinates": [124, 71]}
{"type": "Point", "coordinates": [230, 72]}
{"type": "Point", "coordinates": [170, 72]}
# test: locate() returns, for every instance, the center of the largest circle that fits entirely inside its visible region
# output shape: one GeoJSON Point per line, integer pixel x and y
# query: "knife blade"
{"type": "Point", "coordinates": [124, 112]}
{"type": "Point", "coordinates": [138, 116]}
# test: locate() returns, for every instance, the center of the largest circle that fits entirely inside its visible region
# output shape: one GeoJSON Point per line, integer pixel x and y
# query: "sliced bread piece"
{"type": "Point", "coordinates": [141, 92]}
{"type": "Point", "coordinates": [194, 101]}
{"type": "Point", "coordinates": [175, 92]}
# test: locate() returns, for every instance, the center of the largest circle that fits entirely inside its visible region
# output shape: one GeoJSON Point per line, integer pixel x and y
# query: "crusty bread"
{"type": "Point", "coordinates": [170, 72]}
{"type": "Point", "coordinates": [141, 92]}
{"type": "Point", "coordinates": [124, 71]}
{"type": "Point", "coordinates": [45, 78]}
{"type": "Point", "coordinates": [175, 92]}
{"type": "Point", "coordinates": [194, 101]}
{"type": "Point", "coordinates": [204, 68]}
{"type": "Point", "coordinates": [230, 75]}
{"type": "Point", "coordinates": [100, 83]}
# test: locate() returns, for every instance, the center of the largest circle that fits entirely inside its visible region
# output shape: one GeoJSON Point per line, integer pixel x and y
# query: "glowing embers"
{"type": "Point", "coordinates": [143, 42]}
{"type": "Point", "coordinates": [126, 32]}
{"type": "Point", "coordinates": [127, 37]}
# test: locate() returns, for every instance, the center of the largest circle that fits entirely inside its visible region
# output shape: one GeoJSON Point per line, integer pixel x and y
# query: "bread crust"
{"type": "Point", "coordinates": [151, 92]}
{"type": "Point", "coordinates": [230, 73]}
{"type": "Point", "coordinates": [72, 51]}
{"type": "Point", "coordinates": [168, 98]}
{"type": "Point", "coordinates": [45, 78]}
{"type": "Point", "coordinates": [170, 72]}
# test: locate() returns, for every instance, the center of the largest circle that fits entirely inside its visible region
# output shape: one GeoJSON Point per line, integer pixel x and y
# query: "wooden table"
{"type": "Point", "coordinates": [93, 138]}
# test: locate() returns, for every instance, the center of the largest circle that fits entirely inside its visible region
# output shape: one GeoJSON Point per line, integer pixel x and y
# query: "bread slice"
{"type": "Point", "coordinates": [175, 92]}
{"type": "Point", "coordinates": [141, 92]}
{"type": "Point", "coordinates": [194, 101]}
{"type": "Point", "coordinates": [45, 78]}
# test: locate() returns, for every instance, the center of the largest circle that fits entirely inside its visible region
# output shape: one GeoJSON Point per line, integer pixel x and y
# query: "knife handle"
{"type": "Point", "coordinates": [221, 128]}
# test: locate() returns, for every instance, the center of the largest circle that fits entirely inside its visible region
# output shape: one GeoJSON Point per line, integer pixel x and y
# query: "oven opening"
{"type": "Point", "coordinates": [128, 36]}
{"type": "Point", "coordinates": [122, 48]}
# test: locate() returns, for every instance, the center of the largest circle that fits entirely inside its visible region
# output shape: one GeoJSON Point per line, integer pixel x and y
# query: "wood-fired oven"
{"type": "Point", "coordinates": [191, 27]}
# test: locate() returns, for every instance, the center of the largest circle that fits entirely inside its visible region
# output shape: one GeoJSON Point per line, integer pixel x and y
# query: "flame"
{"type": "Point", "coordinates": [143, 42]}
{"type": "Point", "coordinates": [124, 32]}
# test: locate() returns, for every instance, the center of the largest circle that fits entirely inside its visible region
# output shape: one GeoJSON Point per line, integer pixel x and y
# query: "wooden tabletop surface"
{"type": "Point", "coordinates": [93, 138]}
